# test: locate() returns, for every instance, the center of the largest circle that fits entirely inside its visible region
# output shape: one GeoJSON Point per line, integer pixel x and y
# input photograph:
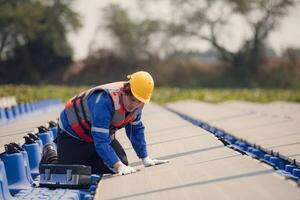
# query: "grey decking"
{"type": "Point", "coordinates": [275, 126]}
{"type": "Point", "coordinates": [200, 166]}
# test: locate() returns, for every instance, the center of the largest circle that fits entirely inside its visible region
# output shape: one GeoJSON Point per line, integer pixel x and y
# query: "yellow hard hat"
{"type": "Point", "coordinates": [141, 85]}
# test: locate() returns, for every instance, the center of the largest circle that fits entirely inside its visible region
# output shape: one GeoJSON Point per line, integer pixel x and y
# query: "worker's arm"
{"type": "Point", "coordinates": [135, 131]}
{"type": "Point", "coordinates": [102, 112]}
{"type": "Point", "coordinates": [101, 118]}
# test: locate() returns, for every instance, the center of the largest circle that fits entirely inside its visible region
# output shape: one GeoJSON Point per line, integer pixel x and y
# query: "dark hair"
{"type": "Point", "coordinates": [127, 90]}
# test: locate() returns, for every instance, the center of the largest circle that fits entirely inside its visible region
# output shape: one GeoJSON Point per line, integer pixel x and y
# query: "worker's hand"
{"type": "Point", "coordinates": [123, 169]}
{"type": "Point", "coordinates": [151, 162]}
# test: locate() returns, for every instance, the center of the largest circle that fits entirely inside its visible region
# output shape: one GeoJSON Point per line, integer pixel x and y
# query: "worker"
{"type": "Point", "coordinates": [88, 124]}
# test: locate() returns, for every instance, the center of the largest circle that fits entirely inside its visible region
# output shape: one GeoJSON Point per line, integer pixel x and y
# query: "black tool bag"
{"type": "Point", "coordinates": [65, 176]}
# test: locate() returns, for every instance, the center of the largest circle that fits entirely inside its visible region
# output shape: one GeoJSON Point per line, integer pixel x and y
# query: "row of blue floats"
{"type": "Point", "coordinates": [10, 113]}
{"type": "Point", "coordinates": [19, 170]}
{"type": "Point", "coordinates": [284, 166]}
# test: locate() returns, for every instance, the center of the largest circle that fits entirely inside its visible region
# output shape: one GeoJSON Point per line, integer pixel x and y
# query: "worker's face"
{"type": "Point", "coordinates": [131, 103]}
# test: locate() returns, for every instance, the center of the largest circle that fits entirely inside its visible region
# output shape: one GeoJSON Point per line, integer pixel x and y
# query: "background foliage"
{"type": "Point", "coordinates": [34, 47]}
{"type": "Point", "coordinates": [26, 93]}
{"type": "Point", "coordinates": [33, 44]}
{"type": "Point", "coordinates": [155, 44]}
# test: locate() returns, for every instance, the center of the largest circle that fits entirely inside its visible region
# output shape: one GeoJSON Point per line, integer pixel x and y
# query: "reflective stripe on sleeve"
{"type": "Point", "coordinates": [98, 97]}
{"type": "Point", "coordinates": [135, 123]}
{"type": "Point", "coordinates": [102, 130]}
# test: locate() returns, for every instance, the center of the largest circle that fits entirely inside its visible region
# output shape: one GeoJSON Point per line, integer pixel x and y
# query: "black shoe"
{"type": "Point", "coordinates": [49, 154]}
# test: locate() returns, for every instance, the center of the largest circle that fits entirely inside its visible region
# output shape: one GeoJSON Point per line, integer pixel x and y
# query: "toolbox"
{"type": "Point", "coordinates": [65, 176]}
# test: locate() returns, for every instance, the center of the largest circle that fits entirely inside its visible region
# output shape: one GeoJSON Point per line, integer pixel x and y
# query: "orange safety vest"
{"type": "Point", "coordinates": [79, 114]}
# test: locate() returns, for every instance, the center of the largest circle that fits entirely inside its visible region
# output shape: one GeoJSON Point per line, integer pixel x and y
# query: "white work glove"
{"type": "Point", "coordinates": [151, 162]}
{"type": "Point", "coordinates": [123, 169]}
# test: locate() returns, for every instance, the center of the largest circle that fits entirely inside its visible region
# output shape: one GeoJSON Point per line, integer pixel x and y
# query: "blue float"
{"type": "Point", "coordinates": [54, 132]}
{"type": "Point", "coordinates": [274, 161]}
{"type": "Point", "coordinates": [256, 152]}
{"type": "Point", "coordinates": [289, 168]}
{"type": "Point", "coordinates": [34, 155]}
{"type": "Point", "coordinates": [22, 108]}
{"type": "Point", "coordinates": [3, 117]}
{"type": "Point", "coordinates": [285, 166]}
{"type": "Point", "coordinates": [9, 113]}
{"type": "Point", "coordinates": [15, 171]}
{"type": "Point", "coordinates": [15, 111]}
{"type": "Point", "coordinates": [296, 173]}
{"type": "Point", "coordinates": [46, 137]}
{"type": "Point", "coordinates": [4, 191]}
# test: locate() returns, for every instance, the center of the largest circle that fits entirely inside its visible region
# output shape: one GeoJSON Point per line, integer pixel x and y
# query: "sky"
{"type": "Point", "coordinates": [287, 35]}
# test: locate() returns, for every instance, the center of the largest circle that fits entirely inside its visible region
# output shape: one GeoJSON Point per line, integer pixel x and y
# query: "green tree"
{"type": "Point", "coordinates": [33, 45]}
{"type": "Point", "coordinates": [207, 19]}
{"type": "Point", "coordinates": [131, 37]}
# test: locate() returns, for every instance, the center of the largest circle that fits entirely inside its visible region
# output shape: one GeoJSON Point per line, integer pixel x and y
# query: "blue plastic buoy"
{"type": "Point", "coordinates": [92, 189]}
{"type": "Point", "coordinates": [40, 143]}
{"type": "Point", "coordinates": [212, 129]}
{"type": "Point", "coordinates": [220, 133]}
{"type": "Point", "coordinates": [94, 179]}
{"type": "Point", "coordinates": [45, 137]}
{"type": "Point", "coordinates": [267, 157]}
{"type": "Point", "coordinates": [51, 135]}
{"type": "Point", "coordinates": [4, 191]}
{"type": "Point", "coordinates": [274, 161]}
{"type": "Point", "coordinates": [28, 108]}
{"type": "Point", "coordinates": [296, 172]}
{"type": "Point", "coordinates": [27, 166]}
{"type": "Point", "coordinates": [22, 108]}
{"type": "Point", "coordinates": [243, 145]}
{"type": "Point", "coordinates": [34, 155]}
{"type": "Point", "coordinates": [205, 126]}
{"type": "Point", "coordinates": [230, 139]}
{"type": "Point", "coordinates": [249, 149]}
{"type": "Point", "coordinates": [256, 152]}
{"type": "Point", "coordinates": [15, 111]}
{"type": "Point", "coordinates": [15, 171]}
{"type": "Point", "coordinates": [237, 143]}
{"type": "Point", "coordinates": [54, 132]}
{"type": "Point", "coordinates": [3, 117]}
{"type": "Point", "coordinates": [289, 168]}
{"type": "Point", "coordinates": [9, 113]}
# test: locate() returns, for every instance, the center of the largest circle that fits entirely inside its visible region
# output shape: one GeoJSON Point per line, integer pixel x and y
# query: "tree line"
{"type": "Point", "coordinates": [33, 44]}
{"type": "Point", "coordinates": [36, 47]}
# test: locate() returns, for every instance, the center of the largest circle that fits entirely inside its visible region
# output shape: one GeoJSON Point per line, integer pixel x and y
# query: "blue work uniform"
{"type": "Point", "coordinates": [102, 109]}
